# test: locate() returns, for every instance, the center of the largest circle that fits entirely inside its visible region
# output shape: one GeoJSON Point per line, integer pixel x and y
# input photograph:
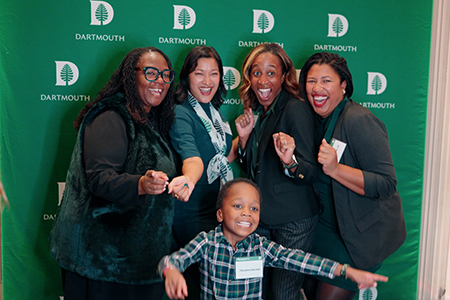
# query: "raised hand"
{"type": "Point", "coordinates": [284, 146]}
{"type": "Point", "coordinates": [244, 126]}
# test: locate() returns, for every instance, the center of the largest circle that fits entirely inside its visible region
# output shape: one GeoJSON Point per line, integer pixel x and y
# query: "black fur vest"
{"type": "Point", "coordinates": [106, 241]}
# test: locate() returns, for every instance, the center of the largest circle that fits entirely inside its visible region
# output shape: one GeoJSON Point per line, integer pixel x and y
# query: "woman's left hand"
{"type": "Point", "coordinates": [284, 146]}
{"type": "Point", "coordinates": [181, 188]}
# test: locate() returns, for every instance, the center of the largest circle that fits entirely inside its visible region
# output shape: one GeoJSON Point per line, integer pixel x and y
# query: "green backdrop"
{"type": "Point", "coordinates": [55, 56]}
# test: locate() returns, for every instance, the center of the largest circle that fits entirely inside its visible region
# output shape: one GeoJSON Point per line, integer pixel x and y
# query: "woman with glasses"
{"type": "Point", "coordinates": [114, 223]}
{"type": "Point", "coordinates": [202, 138]}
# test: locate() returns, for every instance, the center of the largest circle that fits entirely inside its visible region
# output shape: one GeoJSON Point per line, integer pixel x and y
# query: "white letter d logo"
{"type": "Point", "coordinates": [376, 83]}
{"type": "Point", "coordinates": [183, 17]}
{"type": "Point", "coordinates": [337, 25]}
{"type": "Point", "coordinates": [102, 13]}
{"type": "Point", "coordinates": [263, 21]}
{"type": "Point", "coordinates": [66, 73]}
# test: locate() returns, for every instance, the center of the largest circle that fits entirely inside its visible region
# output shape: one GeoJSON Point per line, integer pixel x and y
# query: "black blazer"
{"type": "Point", "coordinates": [285, 199]}
{"type": "Point", "coordinates": [372, 226]}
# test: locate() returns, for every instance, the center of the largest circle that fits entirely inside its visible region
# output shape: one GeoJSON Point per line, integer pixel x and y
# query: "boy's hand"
{"type": "Point", "coordinates": [364, 279]}
{"type": "Point", "coordinates": [175, 283]}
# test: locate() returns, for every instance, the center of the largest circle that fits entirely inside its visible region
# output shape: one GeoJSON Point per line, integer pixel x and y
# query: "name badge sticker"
{"type": "Point", "coordinates": [226, 128]}
{"type": "Point", "coordinates": [339, 146]}
{"type": "Point", "coordinates": [249, 267]}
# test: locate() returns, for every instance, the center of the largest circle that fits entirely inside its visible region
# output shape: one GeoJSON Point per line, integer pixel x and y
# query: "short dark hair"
{"type": "Point", "coordinates": [224, 190]}
{"type": "Point", "coordinates": [339, 64]}
{"type": "Point", "coordinates": [190, 63]}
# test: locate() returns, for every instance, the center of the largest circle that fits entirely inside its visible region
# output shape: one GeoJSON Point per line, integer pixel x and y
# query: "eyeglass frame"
{"type": "Point", "coordinates": [159, 74]}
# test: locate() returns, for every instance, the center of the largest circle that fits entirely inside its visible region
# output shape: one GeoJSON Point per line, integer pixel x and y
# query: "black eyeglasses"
{"type": "Point", "coordinates": [151, 74]}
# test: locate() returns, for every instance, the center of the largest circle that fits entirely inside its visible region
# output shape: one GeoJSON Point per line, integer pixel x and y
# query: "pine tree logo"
{"type": "Point", "coordinates": [102, 13]}
{"type": "Point", "coordinates": [368, 294]}
{"type": "Point", "coordinates": [66, 73]}
{"type": "Point", "coordinates": [337, 25]}
{"type": "Point", "coordinates": [231, 78]}
{"type": "Point", "coordinates": [376, 83]}
{"type": "Point", "coordinates": [184, 17]}
{"type": "Point", "coordinates": [263, 21]}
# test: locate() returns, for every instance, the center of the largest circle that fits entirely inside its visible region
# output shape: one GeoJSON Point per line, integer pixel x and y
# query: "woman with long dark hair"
{"type": "Point", "coordinates": [115, 218]}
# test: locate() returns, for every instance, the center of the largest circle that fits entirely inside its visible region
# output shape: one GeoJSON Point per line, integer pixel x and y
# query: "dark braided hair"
{"type": "Point", "coordinates": [123, 80]}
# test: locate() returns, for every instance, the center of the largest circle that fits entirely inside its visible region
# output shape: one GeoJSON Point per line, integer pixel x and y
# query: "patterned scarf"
{"type": "Point", "coordinates": [218, 165]}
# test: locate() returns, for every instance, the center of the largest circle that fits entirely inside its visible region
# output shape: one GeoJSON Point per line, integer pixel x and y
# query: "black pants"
{"type": "Point", "coordinates": [77, 287]}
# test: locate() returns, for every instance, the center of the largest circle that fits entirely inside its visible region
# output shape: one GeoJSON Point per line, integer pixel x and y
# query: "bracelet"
{"type": "Point", "coordinates": [344, 271]}
{"type": "Point", "coordinates": [292, 164]}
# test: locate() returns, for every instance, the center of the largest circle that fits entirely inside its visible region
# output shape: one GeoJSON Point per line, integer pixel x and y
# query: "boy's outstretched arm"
{"type": "Point", "coordinates": [364, 279]}
{"type": "Point", "coordinates": [175, 284]}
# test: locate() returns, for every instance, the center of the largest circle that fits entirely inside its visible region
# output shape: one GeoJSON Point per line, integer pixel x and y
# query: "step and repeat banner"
{"type": "Point", "coordinates": [56, 56]}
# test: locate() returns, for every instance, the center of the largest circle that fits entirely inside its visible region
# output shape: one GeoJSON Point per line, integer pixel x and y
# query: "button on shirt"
{"type": "Point", "coordinates": [217, 260]}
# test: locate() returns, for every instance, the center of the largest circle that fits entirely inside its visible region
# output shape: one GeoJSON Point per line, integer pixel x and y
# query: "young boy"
{"type": "Point", "coordinates": [232, 256]}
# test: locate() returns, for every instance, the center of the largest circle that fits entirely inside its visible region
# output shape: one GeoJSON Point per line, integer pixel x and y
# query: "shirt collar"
{"type": "Point", "coordinates": [220, 238]}
{"type": "Point", "coordinates": [260, 108]}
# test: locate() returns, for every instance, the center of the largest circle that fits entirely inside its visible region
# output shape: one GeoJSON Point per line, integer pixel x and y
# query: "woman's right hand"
{"type": "Point", "coordinates": [244, 126]}
{"type": "Point", "coordinates": [153, 183]}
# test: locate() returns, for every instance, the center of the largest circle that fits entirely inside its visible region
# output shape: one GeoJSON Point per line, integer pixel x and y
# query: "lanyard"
{"type": "Point", "coordinates": [334, 116]}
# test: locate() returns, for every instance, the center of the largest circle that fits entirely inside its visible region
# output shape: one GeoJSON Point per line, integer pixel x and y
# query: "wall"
{"type": "Point", "coordinates": [386, 40]}
{"type": "Point", "coordinates": [434, 267]}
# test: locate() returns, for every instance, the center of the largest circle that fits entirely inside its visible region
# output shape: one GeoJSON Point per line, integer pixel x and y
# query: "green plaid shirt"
{"type": "Point", "coordinates": [217, 260]}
